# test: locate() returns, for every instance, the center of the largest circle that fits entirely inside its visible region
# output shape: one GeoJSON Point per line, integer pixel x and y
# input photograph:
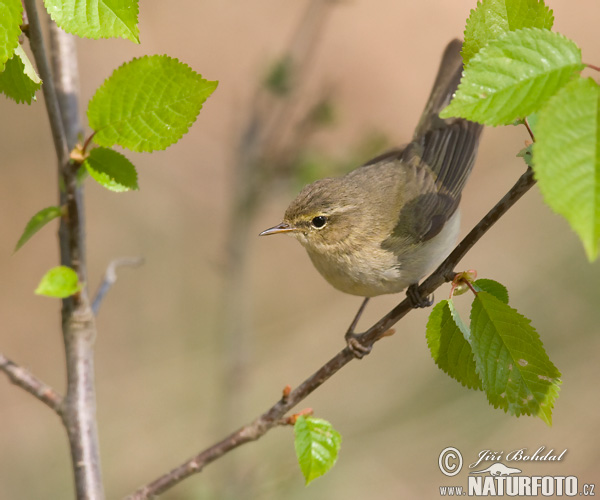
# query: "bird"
{"type": "Point", "coordinates": [384, 226]}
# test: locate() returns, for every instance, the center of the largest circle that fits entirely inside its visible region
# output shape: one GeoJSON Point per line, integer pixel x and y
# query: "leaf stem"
{"type": "Point", "coordinates": [592, 66]}
{"type": "Point", "coordinates": [526, 123]}
{"type": "Point", "coordinates": [87, 142]}
{"type": "Point", "coordinates": [470, 285]}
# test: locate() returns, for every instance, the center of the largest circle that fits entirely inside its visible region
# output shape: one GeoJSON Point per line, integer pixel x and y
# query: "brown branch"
{"type": "Point", "coordinates": [34, 386]}
{"type": "Point", "coordinates": [63, 58]}
{"type": "Point", "coordinates": [78, 320]}
{"type": "Point", "coordinates": [65, 72]}
{"type": "Point", "coordinates": [110, 277]}
{"type": "Point", "coordinates": [79, 413]}
{"type": "Point", "coordinates": [38, 48]}
{"type": "Point", "coordinates": [272, 417]}
{"type": "Point", "coordinates": [79, 331]}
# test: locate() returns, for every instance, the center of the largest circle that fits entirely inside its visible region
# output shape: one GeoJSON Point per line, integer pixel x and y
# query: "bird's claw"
{"type": "Point", "coordinates": [358, 349]}
{"type": "Point", "coordinates": [416, 299]}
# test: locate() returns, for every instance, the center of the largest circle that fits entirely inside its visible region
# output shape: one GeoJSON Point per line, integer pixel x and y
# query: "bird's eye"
{"type": "Point", "coordinates": [319, 221]}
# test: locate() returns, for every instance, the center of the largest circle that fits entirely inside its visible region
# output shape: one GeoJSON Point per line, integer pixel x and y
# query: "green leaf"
{"type": "Point", "coordinates": [37, 222]}
{"type": "Point", "coordinates": [147, 104]}
{"type": "Point", "coordinates": [492, 18]}
{"type": "Point", "coordinates": [96, 18]}
{"type": "Point", "coordinates": [513, 76]}
{"type": "Point", "coordinates": [448, 343]}
{"type": "Point", "coordinates": [317, 445]}
{"type": "Point", "coordinates": [60, 281]}
{"type": "Point", "coordinates": [111, 169]}
{"type": "Point", "coordinates": [527, 154]}
{"type": "Point", "coordinates": [516, 372]}
{"type": "Point", "coordinates": [279, 78]}
{"type": "Point", "coordinates": [11, 17]}
{"type": "Point", "coordinates": [19, 81]}
{"type": "Point", "coordinates": [532, 120]}
{"type": "Point", "coordinates": [498, 290]}
{"type": "Point", "coordinates": [567, 158]}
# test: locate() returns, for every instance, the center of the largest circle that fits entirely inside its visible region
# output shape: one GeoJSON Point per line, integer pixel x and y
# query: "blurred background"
{"type": "Point", "coordinates": [203, 337]}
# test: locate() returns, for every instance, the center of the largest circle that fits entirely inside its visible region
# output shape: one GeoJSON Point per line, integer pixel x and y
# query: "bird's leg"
{"type": "Point", "coordinates": [415, 297]}
{"type": "Point", "coordinates": [359, 350]}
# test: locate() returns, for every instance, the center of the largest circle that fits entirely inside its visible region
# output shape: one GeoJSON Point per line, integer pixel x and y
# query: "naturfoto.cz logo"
{"type": "Point", "coordinates": [499, 479]}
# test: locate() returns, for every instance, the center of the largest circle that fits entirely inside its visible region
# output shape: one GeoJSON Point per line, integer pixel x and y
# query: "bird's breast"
{"type": "Point", "coordinates": [367, 269]}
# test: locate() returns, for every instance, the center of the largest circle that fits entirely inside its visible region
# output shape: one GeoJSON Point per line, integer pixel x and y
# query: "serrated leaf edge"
{"type": "Point", "coordinates": [544, 408]}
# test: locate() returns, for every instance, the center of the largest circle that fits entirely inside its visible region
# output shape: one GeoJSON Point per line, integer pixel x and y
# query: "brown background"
{"type": "Point", "coordinates": [157, 365]}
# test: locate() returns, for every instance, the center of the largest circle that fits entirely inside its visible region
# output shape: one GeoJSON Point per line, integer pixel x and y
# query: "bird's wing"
{"type": "Point", "coordinates": [438, 161]}
{"type": "Point", "coordinates": [441, 156]}
{"type": "Point", "coordinates": [436, 169]}
{"type": "Point", "coordinates": [424, 210]}
{"type": "Point", "coordinates": [449, 152]}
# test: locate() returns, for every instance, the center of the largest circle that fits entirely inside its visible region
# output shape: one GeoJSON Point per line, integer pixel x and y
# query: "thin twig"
{"type": "Point", "coordinates": [52, 107]}
{"type": "Point", "coordinates": [445, 272]}
{"type": "Point", "coordinates": [526, 122]}
{"type": "Point", "coordinates": [34, 386]}
{"type": "Point", "coordinates": [110, 277]}
{"type": "Point", "coordinates": [300, 56]}
{"type": "Point", "coordinates": [266, 124]}
{"type": "Point", "coordinates": [273, 415]}
{"type": "Point", "coordinates": [88, 142]}
{"type": "Point", "coordinates": [592, 66]}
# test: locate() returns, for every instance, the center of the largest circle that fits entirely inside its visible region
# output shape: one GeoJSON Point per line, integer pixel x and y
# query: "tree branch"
{"type": "Point", "coordinates": [272, 416]}
{"type": "Point", "coordinates": [34, 386]}
{"type": "Point", "coordinates": [63, 56]}
{"type": "Point", "coordinates": [79, 330]}
{"type": "Point", "coordinates": [63, 59]}
{"type": "Point", "coordinates": [445, 271]}
{"type": "Point", "coordinates": [266, 125]}
{"type": "Point", "coordinates": [110, 277]}
{"type": "Point", "coordinates": [79, 413]}
{"type": "Point", "coordinates": [78, 320]}
{"type": "Point", "coordinates": [52, 107]}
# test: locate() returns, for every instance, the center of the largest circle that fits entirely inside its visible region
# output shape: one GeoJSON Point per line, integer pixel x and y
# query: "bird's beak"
{"type": "Point", "coordinates": [284, 227]}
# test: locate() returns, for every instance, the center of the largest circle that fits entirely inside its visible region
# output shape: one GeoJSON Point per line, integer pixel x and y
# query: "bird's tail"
{"type": "Point", "coordinates": [443, 89]}
{"type": "Point", "coordinates": [447, 146]}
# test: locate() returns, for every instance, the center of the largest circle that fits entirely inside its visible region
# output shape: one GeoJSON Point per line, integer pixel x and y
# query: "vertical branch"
{"type": "Point", "coordinates": [267, 121]}
{"type": "Point", "coordinates": [79, 329]}
{"type": "Point", "coordinates": [52, 108]}
{"type": "Point", "coordinates": [63, 57]}
{"type": "Point", "coordinates": [263, 131]}
{"type": "Point", "coordinates": [299, 55]}
{"type": "Point", "coordinates": [78, 409]}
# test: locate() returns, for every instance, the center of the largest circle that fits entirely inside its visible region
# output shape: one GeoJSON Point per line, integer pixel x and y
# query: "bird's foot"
{"type": "Point", "coordinates": [416, 299]}
{"type": "Point", "coordinates": [352, 339]}
{"type": "Point", "coordinates": [358, 349]}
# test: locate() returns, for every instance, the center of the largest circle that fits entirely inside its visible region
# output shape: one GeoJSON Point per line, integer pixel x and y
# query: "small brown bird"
{"type": "Point", "coordinates": [382, 227]}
